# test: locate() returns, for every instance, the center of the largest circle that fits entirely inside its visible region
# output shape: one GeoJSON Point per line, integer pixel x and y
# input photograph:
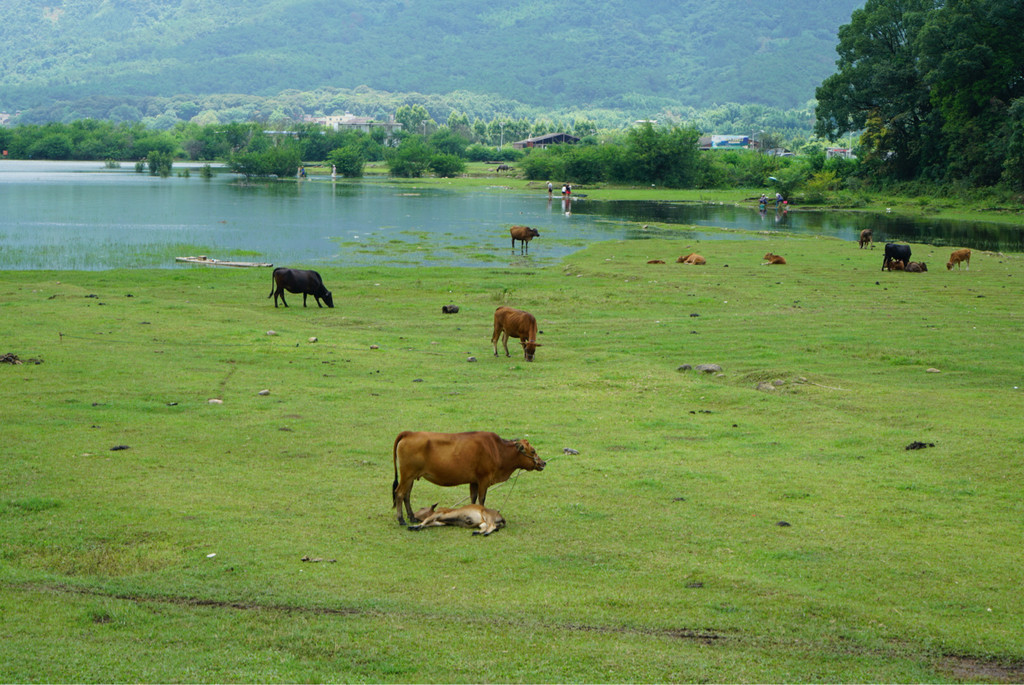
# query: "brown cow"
{"type": "Point", "coordinates": [524, 234]}
{"type": "Point", "coordinates": [692, 258]}
{"type": "Point", "coordinates": [958, 256]}
{"type": "Point", "coordinates": [479, 458]}
{"type": "Point", "coordinates": [773, 259]}
{"type": "Point", "coordinates": [485, 520]}
{"type": "Point", "coordinates": [865, 238]}
{"type": "Point", "coordinates": [897, 265]}
{"type": "Point", "coordinates": [916, 267]}
{"type": "Point", "coordinates": [517, 324]}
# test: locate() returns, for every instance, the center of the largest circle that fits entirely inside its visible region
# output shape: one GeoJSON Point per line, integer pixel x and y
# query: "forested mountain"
{"type": "Point", "coordinates": [639, 57]}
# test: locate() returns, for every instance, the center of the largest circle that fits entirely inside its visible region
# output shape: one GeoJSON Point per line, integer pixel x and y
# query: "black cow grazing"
{"type": "Point", "coordinates": [299, 281]}
{"type": "Point", "coordinates": [524, 234]}
{"type": "Point", "coordinates": [895, 252]}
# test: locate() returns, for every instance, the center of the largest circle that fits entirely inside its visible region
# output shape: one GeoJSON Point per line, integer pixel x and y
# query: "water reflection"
{"type": "Point", "coordinates": [84, 216]}
{"type": "Point", "coordinates": [844, 225]}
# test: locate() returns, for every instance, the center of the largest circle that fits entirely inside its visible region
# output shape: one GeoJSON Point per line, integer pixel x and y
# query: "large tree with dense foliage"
{"type": "Point", "coordinates": [931, 84]}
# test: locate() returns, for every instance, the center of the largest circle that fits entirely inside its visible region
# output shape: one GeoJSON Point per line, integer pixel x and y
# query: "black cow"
{"type": "Point", "coordinates": [299, 281]}
{"type": "Point", "coordinates": [895, 252]}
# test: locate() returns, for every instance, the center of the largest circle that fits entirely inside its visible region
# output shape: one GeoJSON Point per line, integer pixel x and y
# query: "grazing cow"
{"type": "Point", "coordinates": [485, 520]}
{"type": "Point", "coordinates": [692, 258]}
{"type": "Point", "coordinates": [773, 259]}
{"type": "Point", "coordinates": [894, 252]}
{"type": "Point", "coordinates": [916, 267]}
{"type": "Point", "coordinates": [503, 167]}
{"type": "Point", "coordinates": [299, 281]}
{"type": "Point", "coordinates": [524, 234]}
{"type": "Point", "coordinates": [865, 238]}
{"type": "Point", "coordinates": [958, 256]}
{"type": "Point", "coordinates": [517, 324]}
{"type": "Point", "coordinates": [478, 458]}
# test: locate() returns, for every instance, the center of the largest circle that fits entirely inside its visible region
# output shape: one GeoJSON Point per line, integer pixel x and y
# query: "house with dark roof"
{"type": "Point", "coordinates": [545, 140]}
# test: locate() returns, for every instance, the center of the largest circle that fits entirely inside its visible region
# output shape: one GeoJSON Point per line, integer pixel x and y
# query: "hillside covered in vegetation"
{"type": "Point", "coordinates": [640, 59]}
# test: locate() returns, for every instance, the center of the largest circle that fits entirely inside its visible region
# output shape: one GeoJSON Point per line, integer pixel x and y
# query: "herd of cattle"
{"type": "Point", "coordinates": [481, 459]}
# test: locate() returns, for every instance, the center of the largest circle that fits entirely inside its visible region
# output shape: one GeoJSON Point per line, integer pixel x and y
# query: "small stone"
{"type": "Point", "coordinates": [471, 359]}
{"type": "Point", "coordinates": [271, 332]}
{"type": "Point", "coordinates": [263, 392]}
{"type": "Point", "coordinates": [214, 400]}
{"type": "Point", "coordinates": [684, 367]}
{"type": "Point", "coordinates": [374, 347]}
{"type": "Point", "coordinates": [708, 368]}
{"type": "Point", "coordinates": [313, 339]}
{"type": "Point", "coordinates": [778, 383]}
{"type": "Point", "coordinates": [933, 370]}
{"type": "Point", "coordinates": [765, 387]}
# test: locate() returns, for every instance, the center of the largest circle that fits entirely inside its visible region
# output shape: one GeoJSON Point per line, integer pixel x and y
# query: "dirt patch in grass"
{"type": "Point", "coordinates": [972, 670]}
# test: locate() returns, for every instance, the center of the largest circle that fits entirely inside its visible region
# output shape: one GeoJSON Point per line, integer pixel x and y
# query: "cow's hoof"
{"type": "Point", "coordinates": [414, 528]}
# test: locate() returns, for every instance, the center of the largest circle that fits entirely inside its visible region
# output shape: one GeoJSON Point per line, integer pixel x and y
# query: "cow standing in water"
{"type": "Point", "coordinates": [524, 234]}
{"type": "Point", "coordinates": [478, 458]}
{"type": "Point", "coordinates": [517, 324]}
{"type": "Point", "coordinates": [299, 281]}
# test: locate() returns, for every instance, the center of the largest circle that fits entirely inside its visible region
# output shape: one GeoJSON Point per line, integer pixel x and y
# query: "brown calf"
{"type": "Point", "coordinates": [958, 256]}
{"type": "Point", "coordinates": [916, 267]}
{"type": "Point", "coordinates": [773, 259]}
{"type": "Point", "coordinates": [485, 520]}
{"type": "Point", "coordinates": [865, 238]}
{"type": "Point", "coordinates": [692, 258]}
{"type": "Point", "coordinates": [517, 324]}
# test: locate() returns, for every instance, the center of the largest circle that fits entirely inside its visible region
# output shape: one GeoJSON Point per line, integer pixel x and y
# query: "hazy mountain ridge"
{"type": "Point", "coordinates": [608, 54]}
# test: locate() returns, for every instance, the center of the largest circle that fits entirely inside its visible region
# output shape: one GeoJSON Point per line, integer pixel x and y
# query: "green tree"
{"type": "Point", "coordinates": [349, 161]}
{"type": "Point", "coordinates": [973, 63]}
{"type": "Point", "coordinates": [449, 142]}
{"type": "Point", "coordinates": [410, 159]}
{"type": "Point", "coordinates": [879, 75]}
{"type": "Point", "coordinates": [414, 118]}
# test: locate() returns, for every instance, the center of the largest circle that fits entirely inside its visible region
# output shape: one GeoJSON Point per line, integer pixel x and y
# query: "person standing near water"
{"type": "Point", "coordinates": [550, 188]}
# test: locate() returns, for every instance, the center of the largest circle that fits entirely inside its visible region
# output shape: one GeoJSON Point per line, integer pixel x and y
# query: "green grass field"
{"type": "Point", "coordinates": [765, 523]}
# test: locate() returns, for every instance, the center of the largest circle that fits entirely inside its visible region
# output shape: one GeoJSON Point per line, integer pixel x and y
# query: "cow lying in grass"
{"type": "Point", "coordinates": [916, 267]}
{"type": "Point", "coordinates": [692, 258]}
{"type": "Point", "coordinates": [477, 516]}
{"type": "Point", "coordinates": [958, 256]}
{"type": "Point", "coordinates": [773, 259]}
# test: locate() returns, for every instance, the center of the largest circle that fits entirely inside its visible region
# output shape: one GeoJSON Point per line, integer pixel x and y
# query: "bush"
{"type": "Point", "coordinates": [447, 166]}
{"type": "Point", "coordinates": [348, 161]}
{"type": "Point", "coordinates": [160, 163]}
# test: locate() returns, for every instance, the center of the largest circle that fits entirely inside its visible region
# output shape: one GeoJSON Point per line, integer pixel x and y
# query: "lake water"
{"type": "Point", "coordinates": [82, 216]}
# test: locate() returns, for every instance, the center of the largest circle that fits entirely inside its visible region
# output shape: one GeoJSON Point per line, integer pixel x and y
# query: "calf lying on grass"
{"type": "Point", "coordinates": [692, 258]}
{"type": "Point", "coordinates": [773, 259]}
{"type": "Point", "coordinates": [485, 520]}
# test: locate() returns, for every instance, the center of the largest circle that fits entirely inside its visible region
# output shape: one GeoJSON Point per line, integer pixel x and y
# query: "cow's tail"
{"type": "Point", "coordinates": [394, 456]}
{"type": "Point", "coordinates": [273, 284]}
